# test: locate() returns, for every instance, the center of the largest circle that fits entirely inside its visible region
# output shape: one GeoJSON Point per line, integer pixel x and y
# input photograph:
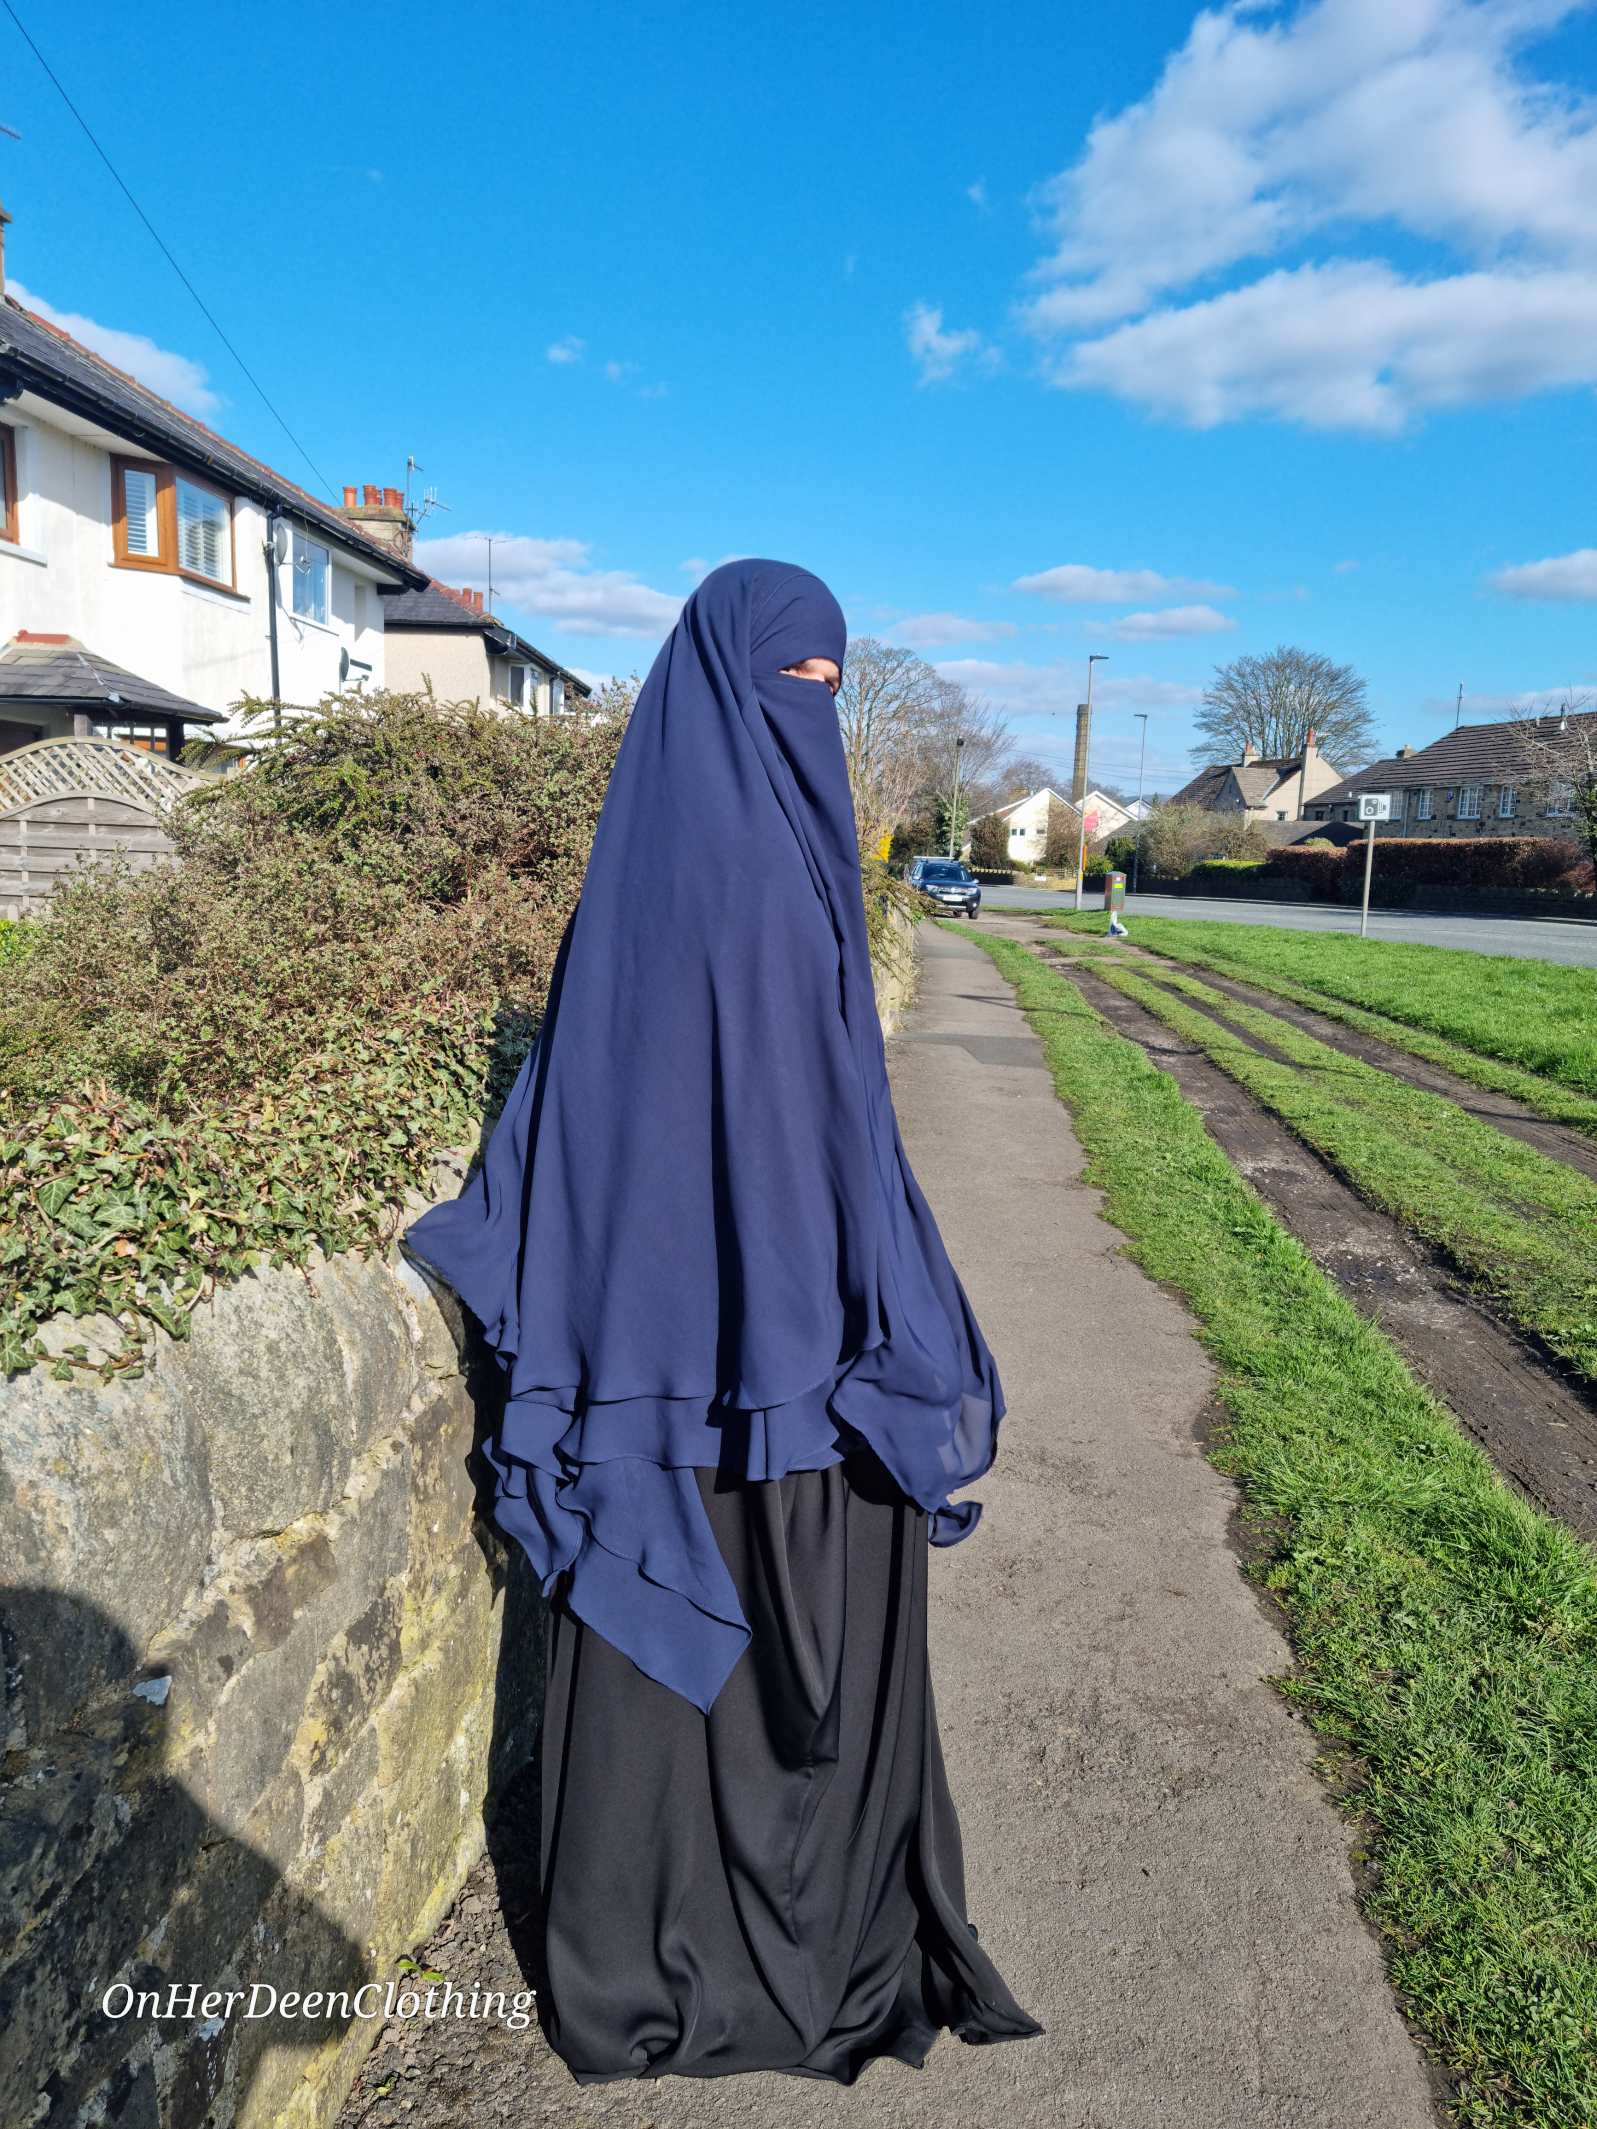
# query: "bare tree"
{"type": "Point", "coordinates": [1560, 754]}
{"type": "Point", "coordinates": [900, 721]}
{"type": "Point", "coordinates": [1275, 700]}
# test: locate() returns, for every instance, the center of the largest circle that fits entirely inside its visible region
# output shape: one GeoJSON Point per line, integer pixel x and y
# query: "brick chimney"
{"type": "Point", "coordinates": [1403, 754]}
{"type": "Point", "coordinates": [1249, 753]}
{"type": "Point", "coordinates": [380, 514]}
{"type": "Point", "coordinates": [4, 219]}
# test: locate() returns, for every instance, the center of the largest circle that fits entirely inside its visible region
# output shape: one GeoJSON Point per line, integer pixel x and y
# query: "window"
{"type": "Point", "coordinates": [8, 485]}
{"type": "Point", "coordinates": [1399, 804]}
{"type": "Point", "coordinates": [1561, 796]}
{"type": "Point", "coordinates": [311, 564]}
{"type": "Point", "coordinates": [204, 532]}
{"type": "Point", "coordinates": [141, 537]}
{"type": "Point", "coordinates": [1469, 802]}
{"type": "Point", "coordinates": [557, 695]}
{"type": "Point", "coordinates": [168, 521]}
{"type": "Point", "coordinates": [1425, 804]}
{"type": "Point", "coordinates": [516, 685]}
{"type": "Point", "coordinates": [1505, 802]}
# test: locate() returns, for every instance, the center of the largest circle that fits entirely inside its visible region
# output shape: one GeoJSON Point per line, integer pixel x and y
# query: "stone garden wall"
{"type": "Point", "coordinates": [253, 1689]}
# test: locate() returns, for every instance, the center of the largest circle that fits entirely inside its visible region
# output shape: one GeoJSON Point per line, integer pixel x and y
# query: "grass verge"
{"type": "Point", "coordinates": [1521, 1228]}
{"type": "Point", "coordinates": [1520, 1027]}
{"type": "Point", "coordinates": [1445, 1630]}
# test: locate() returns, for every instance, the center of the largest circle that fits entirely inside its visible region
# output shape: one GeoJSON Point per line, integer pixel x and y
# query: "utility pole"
{"type": "Point", "coordinates": [1083, 745]}
{"type": "Point", "coordinates": [1142, 756]}
{"type": "Point", "coordinates": [953, 811]}
{"type": "Point", "coordinates": [1458, 707]}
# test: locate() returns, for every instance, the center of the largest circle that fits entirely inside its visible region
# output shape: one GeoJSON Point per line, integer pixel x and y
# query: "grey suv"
{"type": "Point", "coordinates": [946, 882]}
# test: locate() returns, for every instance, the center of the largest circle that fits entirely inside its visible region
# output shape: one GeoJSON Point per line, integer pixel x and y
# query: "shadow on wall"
{"type": "Point", "coordinates": [79, 1944]}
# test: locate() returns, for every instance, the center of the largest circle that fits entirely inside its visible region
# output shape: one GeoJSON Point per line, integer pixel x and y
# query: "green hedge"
{"type": "Point", "coordinates": [1547, 863]}
{"type": "Point", "coordinates": [257, 1051]}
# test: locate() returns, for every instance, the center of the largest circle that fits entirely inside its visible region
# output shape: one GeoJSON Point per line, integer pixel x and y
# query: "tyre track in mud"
{"type": "Point", "coordinates": [1518, 1403]}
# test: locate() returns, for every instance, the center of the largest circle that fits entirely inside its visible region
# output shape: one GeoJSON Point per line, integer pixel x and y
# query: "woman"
{"type": "Point", "coordinates": [741, 1382]}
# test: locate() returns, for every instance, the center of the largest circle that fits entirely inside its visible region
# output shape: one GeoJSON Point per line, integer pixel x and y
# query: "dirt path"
{"type": "Point", "coordinates": [1151, 1857]}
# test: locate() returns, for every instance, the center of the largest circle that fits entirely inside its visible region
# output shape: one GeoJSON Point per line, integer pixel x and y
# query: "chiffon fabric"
{"type": "Point", "coordinates": [778, 1885]}
{"type": "Point", "coordinates": [694, 1241]}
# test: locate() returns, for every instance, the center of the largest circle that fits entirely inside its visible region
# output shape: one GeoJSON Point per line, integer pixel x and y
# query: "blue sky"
{"type": "Point", "coordinates": [1221, 329]}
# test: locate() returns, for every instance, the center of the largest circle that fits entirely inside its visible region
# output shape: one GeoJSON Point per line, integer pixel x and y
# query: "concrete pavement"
{"type": "Point", "coordinates": [1150, 1856]}
{"type": "Point", "coordinates": [1570, 939]}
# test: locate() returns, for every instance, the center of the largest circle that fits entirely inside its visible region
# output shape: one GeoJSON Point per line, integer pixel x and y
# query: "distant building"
{"type": "Point", "coordinates": [445, 639]}
{"type": "Point", "coordinates": [1482, 779]}
{"type": "Point", "coordinates": [1262, 788]}
{"type": "Point", "coordinates": [1026, 819]}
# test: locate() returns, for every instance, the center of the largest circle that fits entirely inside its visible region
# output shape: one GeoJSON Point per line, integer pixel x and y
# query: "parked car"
{"type": "Point", "coordinates": [946, 882]}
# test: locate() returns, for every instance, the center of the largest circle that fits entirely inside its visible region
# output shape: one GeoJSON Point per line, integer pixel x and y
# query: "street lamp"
{"type": "Point", "coordinates": [1097, 658]}
{"type": "Point", "coordinates": [1142, 756]}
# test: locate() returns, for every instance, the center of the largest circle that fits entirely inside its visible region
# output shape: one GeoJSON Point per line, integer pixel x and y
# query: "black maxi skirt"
{"type": "Point", "coordinates": [779, 1884]}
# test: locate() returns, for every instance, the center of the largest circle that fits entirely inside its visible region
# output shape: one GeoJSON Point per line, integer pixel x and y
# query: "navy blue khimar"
{"type": "Point", "coordinates": [695, 1234]}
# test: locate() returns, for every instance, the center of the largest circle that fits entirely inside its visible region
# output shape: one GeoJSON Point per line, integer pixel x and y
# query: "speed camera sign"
{"type": "Point", "coordinates": [1375, 805]}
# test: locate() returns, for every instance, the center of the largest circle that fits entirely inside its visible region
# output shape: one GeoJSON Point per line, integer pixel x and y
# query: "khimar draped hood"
{"type": "Point", "coordinates": [694, 1238]}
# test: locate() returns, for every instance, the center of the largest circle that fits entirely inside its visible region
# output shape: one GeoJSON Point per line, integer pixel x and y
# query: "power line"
{"type": "Point", "coordinates": [164, 247]}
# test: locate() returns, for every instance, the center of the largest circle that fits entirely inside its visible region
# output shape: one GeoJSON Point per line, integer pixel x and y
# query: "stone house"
{"type": "Point", "coordinates": [1262, 789]}
{"type": "Point", "coordinates": [1481, 779]}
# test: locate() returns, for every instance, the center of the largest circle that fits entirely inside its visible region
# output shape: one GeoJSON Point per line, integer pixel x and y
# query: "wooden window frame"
{"type": "Point", "coordinates": [9, 529]}
{"type": "Point", "coordinates": [165, 563]}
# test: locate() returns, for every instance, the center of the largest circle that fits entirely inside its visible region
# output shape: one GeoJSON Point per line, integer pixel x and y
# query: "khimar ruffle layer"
{"type": "Point", "coordinates": [694, 1239]}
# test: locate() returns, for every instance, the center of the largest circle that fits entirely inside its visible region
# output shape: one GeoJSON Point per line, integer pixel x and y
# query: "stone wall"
{"type": "Point", "coordinates": [254, 1694]}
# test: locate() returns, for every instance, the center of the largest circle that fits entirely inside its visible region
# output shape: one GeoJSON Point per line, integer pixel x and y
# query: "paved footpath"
{"type": "Point", "coordinates": [1151, 1858]}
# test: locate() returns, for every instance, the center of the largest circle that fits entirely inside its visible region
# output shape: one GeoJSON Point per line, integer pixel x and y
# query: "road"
{"type": "Point", "coordinates": [1570, 939]}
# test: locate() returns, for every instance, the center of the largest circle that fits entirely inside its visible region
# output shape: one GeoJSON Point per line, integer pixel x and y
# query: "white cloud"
{"type": "Point", "coordinates": [1340, 121]}
{"type": "Point", "coordinates": [1561, 576]}
{"type": "Point", "coordinates": [1343, 569]}
{"type": "Point", "coordinates": [1035, 689]}
{"type": "Point", "coordinates": [618, 371]}
{"type": "Point", "coordinates": [187, 384]}
{"type": "Point", "coordinates": [940, 354]}
{"type": "Point", "coordinates": [568, 349]}
{"type": "Point", "coordinates": [554, 578]}
{"type": "Point", "coordinates": [1078, 584]}
{"type": "Point", "coordinates": [977, 195]}
{"type": "Point", "coordinates": [1349, 345]}
{"type": "Point", "coordinates": [918, 630]}
{"type": "Point", "coordinates": [653, 391]}
{"type": "Point", "coordinates": [1167, 623]}
{"type": "Point", "coordinates": [698, 568]}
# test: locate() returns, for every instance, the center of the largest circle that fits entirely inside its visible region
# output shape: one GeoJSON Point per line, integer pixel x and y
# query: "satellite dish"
{"type": "Point", "coordinates": [343, 661]}
{"type": "Point", "coordinates": [279, 541]}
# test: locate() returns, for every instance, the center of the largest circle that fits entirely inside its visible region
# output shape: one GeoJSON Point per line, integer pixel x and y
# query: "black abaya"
{"type": "Point", "coordinates": [778, 1884]}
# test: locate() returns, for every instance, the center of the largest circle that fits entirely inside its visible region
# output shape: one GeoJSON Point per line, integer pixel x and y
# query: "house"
{"type": "Point", "coordinates": [152, 573]}
{"type": "Point", "coordinates": [447, 640]}
{"type": "Point", "coordinates": [1261, 788]}
{"type": "Point", "coordinates": [1481, 779]}
{"type": "Point", "coordinates": [1027, 819]}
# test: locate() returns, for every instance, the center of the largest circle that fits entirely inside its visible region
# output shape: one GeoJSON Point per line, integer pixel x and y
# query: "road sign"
{"type": "Point", "coordinates": [1375, 805]}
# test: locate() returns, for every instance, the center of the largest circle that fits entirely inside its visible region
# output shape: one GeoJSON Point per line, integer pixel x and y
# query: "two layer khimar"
{"type": "Point", "coordinates": [694, 1240]}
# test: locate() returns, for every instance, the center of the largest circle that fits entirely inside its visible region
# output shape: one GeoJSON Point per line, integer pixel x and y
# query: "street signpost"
{"type": "Point", "coordinates": [1373, 806]}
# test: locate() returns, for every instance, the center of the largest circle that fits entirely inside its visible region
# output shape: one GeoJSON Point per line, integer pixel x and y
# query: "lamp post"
{"type": "Point", "coordinates": [1142, 756]}
{"type": "Point", "coordinates": [1097, 658]}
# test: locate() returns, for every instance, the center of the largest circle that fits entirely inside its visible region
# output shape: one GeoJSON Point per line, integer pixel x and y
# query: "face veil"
{"type": "Point", "coordinates": [694, 1238]}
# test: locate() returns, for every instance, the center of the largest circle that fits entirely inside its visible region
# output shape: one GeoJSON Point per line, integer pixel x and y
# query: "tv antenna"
{"type": "Point", "coordinates": [429, 496]}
